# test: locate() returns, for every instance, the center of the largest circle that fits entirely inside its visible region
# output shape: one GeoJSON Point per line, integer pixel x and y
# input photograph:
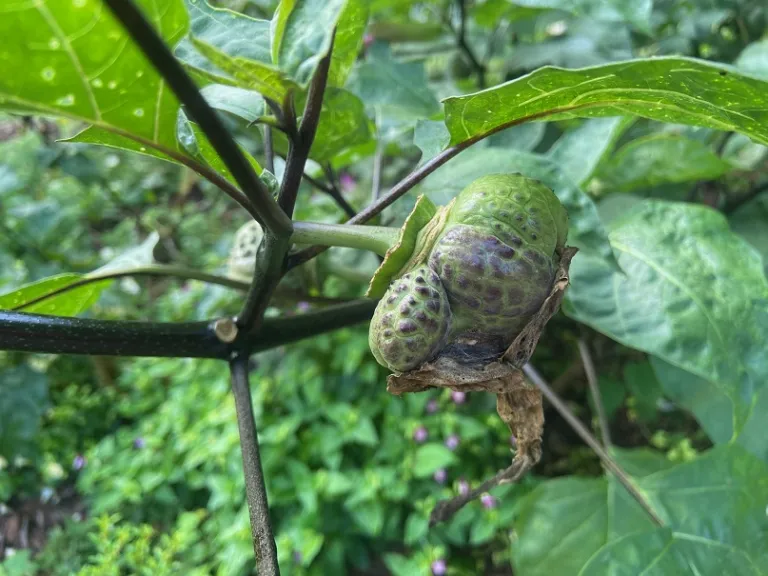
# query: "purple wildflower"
{"type": "Point", "coordinates": [139, 443]}
{"type": "Point", "coordinates": [439, 567]}
{"type": "Point", "coordinates": [347, 181]}
{"type": "Point", "coordinates": [79, 462]}
{"type": "Point", "coordinates": [458, 397]}
{"type": "Point", "coordinates": [452, 442]}
{"type": "Point", "coordinates": [303, 306]}
{"type": "Point", "coordinates": [432, 406]}
{"type": "Point", "coordinates": [488, 501]}
{"type": "Point", "coordinates": [440, 476]}
{"type": "Point", "coordinates": [420, 434]}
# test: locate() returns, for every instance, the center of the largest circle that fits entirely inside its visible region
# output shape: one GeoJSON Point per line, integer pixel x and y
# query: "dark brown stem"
{"type": "Point", "coordinates": [592, 442]}
{"type": "Point", "coordinates": [156, 51]}
{"type": "Point", "coordinates": [589, 370]}
{"type": "Point", "coordinates": [255, 491]}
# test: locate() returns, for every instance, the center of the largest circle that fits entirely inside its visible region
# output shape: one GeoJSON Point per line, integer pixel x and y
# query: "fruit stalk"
{"type": "Point", "coordinates": [377, 239]}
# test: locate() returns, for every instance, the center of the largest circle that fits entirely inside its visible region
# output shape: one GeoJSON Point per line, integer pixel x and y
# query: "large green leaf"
{"type": "Point", "coordinates": [692, 293]}
{"type": "Point", "coordinates": [585, 230]}
{"type": "Point", "coordinates": [231, 32]}
{"type": "Point", "coordinates": [349, 39]}
{"type": "Point", "coordinates": [579, 151]}
{"type": "Point", "coordinates": [660, 159]}
{"type": "Point", "coordinates": [343, 123]}
{"type": "Point", "coordinates": [714, 409]}
{"type": "Point", "coordinates": [662, 551]}
{"type": "Point", "coordinates": [74, 59]}
{"type": "Point", "coordinates": [668, 89]}
{"type": "Point", "coordinates": [245, 73]}
{"type": "Point", "coordinates": [751, 222]}
{"type": "Point", "coordinates": [398, 91]}
{"type": "Point", "coordinates": [302, 34]}
{"type": "Point", "coordinates": [716, 500]}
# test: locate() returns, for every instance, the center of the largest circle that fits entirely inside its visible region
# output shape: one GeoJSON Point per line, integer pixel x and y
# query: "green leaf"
{"type": "Point", "coordinates": [302, 34]}
{"type": "Point", "coordinates": [667, 89]}
{"type": "Point", "coordinates": [714, 409]}
{"type": "Point", "coordinates": [231, 32]}
{"type": "Point", "coordinates": [70, 303]}
{"type": "Point", "coordinates": [431, 137]}
{"type": "Point", "coordinates": [579, 151]}
{"type": "Point", "coordinates": [660, 159]}
{"type": "Point", "coordinates": [85, 67]}
{"type": "Point", "coordinates": [416, 528]}
{"type": "Point", "coordinates": [754, 59]}
{"type": "Point", "coordinates": [23, 401]}
{"type": "Point", "coordinates": [198, 146]}
{"type": "Point", "coordinates": [750, 221]}
{"type": "Point", "coordinates": [693, 293]}
{"type": "Point", "coordinates": [245, 73]}
{"type": "Point", "coordinates": [585, 230]}
{"type": "Point", "coordinates": [244, 104]}
{"type": "Point", "coordinates": [400, 565]}
{"type": "Point", "coordinates": [349, 39]}
{"type": "Point", "coordinates": [431, 457]}
{"type": "Point", "coordinates": [343, 124]}
{"type": "Point", "coordinates": [717, 500]}
{"type": "Point", "coordinates": [398, 91]}
{"type": "Point", "coordinates": [664, 552]}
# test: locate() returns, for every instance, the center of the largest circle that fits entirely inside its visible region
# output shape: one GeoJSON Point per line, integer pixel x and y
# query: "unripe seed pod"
{"type": "Point", "coordinates": [411, 322]}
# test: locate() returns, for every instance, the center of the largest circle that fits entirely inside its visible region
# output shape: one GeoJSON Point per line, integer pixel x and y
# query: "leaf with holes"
{"type": "Point", "coordinates": [667, 89]}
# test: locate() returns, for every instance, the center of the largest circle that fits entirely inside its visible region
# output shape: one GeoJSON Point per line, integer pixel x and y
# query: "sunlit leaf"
{"type": "Point", "coordinates": [75, 60]}
{"type": "Point", "coordinates": [70, 303]}
{"type": "Point", "coordinates": [667, 89]}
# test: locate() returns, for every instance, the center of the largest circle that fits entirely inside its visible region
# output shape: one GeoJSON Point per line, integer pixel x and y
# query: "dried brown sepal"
{"type": "Point", "coordinates": [518, 403]}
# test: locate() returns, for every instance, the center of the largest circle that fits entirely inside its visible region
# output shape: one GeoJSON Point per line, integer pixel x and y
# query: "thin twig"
{"type": "Point", "coordinates": [445, 509]}
{"type": "Point", "coordinates": [461, 38]}
{"type": "Point", "coordinates": [334, 193]}
{"type": "Point", "coordinates": [160, 56]}
{"type": "Point", "coordinates": [255, 491]}
{"type": "Point", "coordinates": [592, 442]}
{"type": "Point", "coordinates": [589, 370]}
{"type": "Point", "coordinates": [269, 150]}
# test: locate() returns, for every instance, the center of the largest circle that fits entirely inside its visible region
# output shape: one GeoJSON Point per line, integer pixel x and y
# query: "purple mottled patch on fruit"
{"type": "Point", "coordinates": [492, 288]}
{"type": "Point", "coordinates": [421, 325]}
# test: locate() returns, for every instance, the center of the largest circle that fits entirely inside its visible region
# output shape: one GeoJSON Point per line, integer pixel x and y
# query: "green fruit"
{"type": "Point", "coordinates": [496, 255]}
{"type": "Point", "coordinates": [411, 322]}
